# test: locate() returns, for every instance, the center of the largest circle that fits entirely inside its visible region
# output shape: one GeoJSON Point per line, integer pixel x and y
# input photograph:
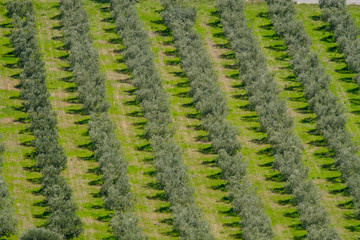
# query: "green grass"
{"type": "Point", "coordinates": [155, 218]}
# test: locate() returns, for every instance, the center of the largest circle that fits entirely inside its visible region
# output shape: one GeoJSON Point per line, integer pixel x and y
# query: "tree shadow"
{"type": "Point", "coordinates": [36, 180]}
{"type": "Point", "coordinates": [332, 49]}
{"type": "Point", "coordinates": [277, 47]}
{"type": "Point", "coordinates": [277, 177]}
{"type": "Point", "coordinates": [83, 122]}
{"type": "Point", "coordinates": [136, 114]}
{"type": "Point", "coordinates": [322, 28]}
{"type": "Point", "coordinates": [165, 209]}
{"type": "Point", "coordinates": [43, 215]}
{"type": "Point", "coordinates": [229, 212]}
{"type": "Point", "coordinates": [220, 187]}
{"type": "Point", "coordinates": [114, 40]}
{"type": "Point", "coordinates": [344, 70]}
{"type": "Point", "coordinates": [269, 151]}
{"type": "Point", "coordinates": [154, 185]}
{"type": "Point", "coordinates": [279, 190]}
{"type": "Point", "coordinates": [206, 150]}
{"type": "Point", "coordinates": [223, 45]}
{"type": "Point", "coordinates": [264, 15]}
{"type": "Point", "coordinates": [342, 191]}
{"type": "Point", "coordinates": [289, 201]}
{"type": "Point", "coordinates": [101, 1]}
{"type": "Point", "coordinates": [173, 62]}
{"type": "Point", "coordinates": [215, 24]}
{"type": "Point", "coordinates": [145, 148]}
{"type": "Point", "coordinates": [346, 205]}
{"type": "Point", "coordinates": [97, 182]}
{"type": "Point", "coordinates": [105, 218]}
{"type": "Point", "coordinates": [338, 59]}
{"type": "Point", "coordinates": [217, 175]}
{"type": "Point", "coordinates": [319, 143]}
{"type": "Point", "coordinates": [158, 196]}
{"type": "Point", "coordinates": [328, 39]}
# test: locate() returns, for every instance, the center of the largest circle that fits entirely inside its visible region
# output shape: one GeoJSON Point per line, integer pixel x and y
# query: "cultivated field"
{"type": "Point", "coordinates": [156, 213]}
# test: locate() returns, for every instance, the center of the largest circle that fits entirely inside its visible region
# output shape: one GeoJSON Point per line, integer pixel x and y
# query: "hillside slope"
{"type": "Point", "coordinates": [125, 112]}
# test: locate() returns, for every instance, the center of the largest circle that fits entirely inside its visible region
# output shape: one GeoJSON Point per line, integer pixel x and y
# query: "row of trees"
{"type": "Point", "coordinates": [331, 120]}
{"type": "Point", "coordinates": [211, 105]}
{"type": "Point", "coordinates": [90, 82]}
{"type": "Point", "coordinates": [49, 155]}
{"type": "Point", "coordinates": [274, 120]}
{"type": "Point", "coordinates": [7, 217]}
{"type": "Point", "coordinates": [345, 31]}
{"type": "Point", "coordinates": [170, 170]}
